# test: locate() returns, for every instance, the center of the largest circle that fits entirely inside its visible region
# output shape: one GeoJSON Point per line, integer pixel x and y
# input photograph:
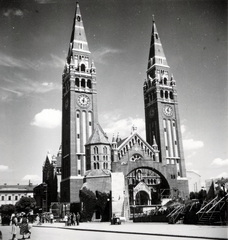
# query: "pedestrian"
{"type": "Point", "coordinates": [73, 219]}
{"type": "Point", "coordinates": [14, 228]}
{"type": "Point", "coordinates": [24, 227]}
{"type": "Point", "coordinates": [51, 217]}
{"type": "Point", "coordinates": [77, 218]}
{"type": "Point", "coordinates": [69, 220]}
{"type": "Point", "coordinates": [65, 220]}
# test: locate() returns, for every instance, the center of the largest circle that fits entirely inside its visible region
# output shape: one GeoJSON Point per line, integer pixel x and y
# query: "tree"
{"type": "Point", "coordinates": [88, 199]}
{"type": "Point", "coordinates": [25, 204]}
{"type": "Point", "coordinates": [7, 209]}
{"type": "Point", "coordinates": [6, 212]}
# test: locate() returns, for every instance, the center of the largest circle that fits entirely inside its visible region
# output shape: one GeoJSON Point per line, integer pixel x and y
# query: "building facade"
{"type": "Point", "coordinates": [194, 181]}
{"type": "Point", "coordinates": [152, 169]}
{"type": "Point", "coordinates": [10, 194]}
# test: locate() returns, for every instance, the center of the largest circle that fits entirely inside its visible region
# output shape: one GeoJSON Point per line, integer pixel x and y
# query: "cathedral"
{"type": "Point", "coordinates": [136, 171]}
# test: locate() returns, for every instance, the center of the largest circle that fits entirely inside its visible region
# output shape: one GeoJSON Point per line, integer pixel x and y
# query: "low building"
{"type": "Point", "coordinates": [10, 194]}
{"type": "Point", "coordinates": [194, 181]}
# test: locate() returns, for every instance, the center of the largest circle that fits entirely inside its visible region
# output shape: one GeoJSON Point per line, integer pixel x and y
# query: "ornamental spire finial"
{"type": "Point", "coordinates": [153, 18]}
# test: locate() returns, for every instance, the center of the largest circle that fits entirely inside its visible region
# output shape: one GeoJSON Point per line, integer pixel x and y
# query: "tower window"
{"type": "Point", "coordinates": [95, 150]}
{"type": "Point", "coordinates": [156, 35]}
{"type": "Point", "coordinates": [90, 123]}
{"type": "Point", "coordinates": [78, 135]}
{"type": "Point", "coordinates": [77, 115]}
{"type": "Point", "coordinates": [89, 85]}
{"type": "Point", "coordinates": [83, 68]}
{"type": "Point", "coordinates": [165, 81]}
{"type": "Point", "coordinates": [83, 83]}
{"type": "Point", "coordinates": [166, 94]}
{"type": "Point", "coordinates": [171, 95]}
{"type": "Point", "coordinates": [77, 82]}
{"type": "Point", "coordinates": [161, 94]}
{"type": "Point", "coordinates": [80, 45]}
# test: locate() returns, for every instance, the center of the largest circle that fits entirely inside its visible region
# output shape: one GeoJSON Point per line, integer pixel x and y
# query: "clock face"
{"type": "Point", "coordinates": [168, 110]}
{"type": "Point", "coordinates": [83, 100]}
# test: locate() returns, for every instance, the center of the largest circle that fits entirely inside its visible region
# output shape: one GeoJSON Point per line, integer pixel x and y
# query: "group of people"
{"type": "Point", "coordinates": [23, 223]}
{"type": "Point", "coordinates": [71, 219]}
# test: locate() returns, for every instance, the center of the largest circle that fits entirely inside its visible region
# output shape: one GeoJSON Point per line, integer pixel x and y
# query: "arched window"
{"type": "Point", "coordinates": [89, 85]}
{"type": "Point", "coordinates": [95, 149]}
{"type": "Point", "coordinates": [77, 82]}
{"type": "Point", "coordinates": [82, 67]}
{"type": "Point", "coordinates": [161, 94]}
{"type": "Point", "coordinates": [165, 81]}
{"type": "Point", "coordinates": [97, 165]}
{"type": "Point", "coordinates": [171, 95]}
{"type": "Point", "coordinates": [83, 83]}
{"type": "Point", "coordinates": [166, 94]}
{"type": "Point", "coordinates": [105, 150]}
{"type": "Point", "coordinates": [94, 165]}
{"type": "Point", "coordinates": [103, 165]}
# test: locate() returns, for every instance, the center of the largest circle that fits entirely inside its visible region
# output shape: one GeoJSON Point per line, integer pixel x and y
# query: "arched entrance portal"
{"type": "Point", "coordinates": [146, 186]}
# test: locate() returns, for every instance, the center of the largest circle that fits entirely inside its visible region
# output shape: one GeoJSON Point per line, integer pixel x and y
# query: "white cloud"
{"type": "Point", "coordinates": [190, 144]}
{"type": "Point", "coordinates": [45, 1]}
{"type": "Point", "coordinates": [23, 86]}
{"type": "Point", "coordinates": [124, 126]}
{"type": "Point", "coordinates": [219, 163]}
{"type": "Point", "coordinates": [47, 118]}
{"type": "Point", "coordinates": [13, 12]}
{"type": "Point", "coordinates": [222, 175]}
{"type": "Point", "coordinates": [31, 178]}
{"type": "Point", "coordinates": [188, 164]}
{"type": "Point", "coordinates": [4, 168]}
{"type": "Point", "coordinates": [102, 53]}
{"type": "Point", "coordinates": [183, 129]}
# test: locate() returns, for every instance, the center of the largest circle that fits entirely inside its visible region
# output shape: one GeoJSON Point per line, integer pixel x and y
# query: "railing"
{"type": "Point", "coordinates": [212, 208]}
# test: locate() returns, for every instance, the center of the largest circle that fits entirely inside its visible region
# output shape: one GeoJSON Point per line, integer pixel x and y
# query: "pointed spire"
{"type": "Point", "coordinates": [118, 138]}
{"type": "Point", "coordinates": [134, 129]}
{"type": "Point", "coordinates": [156, 55]}
{"type": "Point", "coordinates": [78, 41]}
{"type": "Point", "coordinates": [113, 138]}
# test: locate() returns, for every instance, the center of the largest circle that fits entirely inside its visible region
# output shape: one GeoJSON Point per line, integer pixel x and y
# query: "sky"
{"type": "Point", "coordinates": [34, 41]}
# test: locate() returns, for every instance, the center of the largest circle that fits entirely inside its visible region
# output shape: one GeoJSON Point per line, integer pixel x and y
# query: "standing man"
{"type": "Point", "coordinates": [77, 218]}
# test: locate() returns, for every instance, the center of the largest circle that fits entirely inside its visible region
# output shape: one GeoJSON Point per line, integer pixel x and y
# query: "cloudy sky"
{"type": "Point", "coordinates": [34, 40]}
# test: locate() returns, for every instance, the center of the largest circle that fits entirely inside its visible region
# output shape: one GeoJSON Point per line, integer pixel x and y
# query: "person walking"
{"type": "Point", "coordinates": [51, 217]}
{"type": "Point", "coordinates": [77, 218]}
{"type": "Point", "coordinates": [24, 228]}
{"type": "Point", "coordinates": [14, 228]}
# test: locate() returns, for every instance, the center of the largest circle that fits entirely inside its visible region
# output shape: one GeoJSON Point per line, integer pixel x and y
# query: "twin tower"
{"type": "Point", "coordinates": [152, 169]}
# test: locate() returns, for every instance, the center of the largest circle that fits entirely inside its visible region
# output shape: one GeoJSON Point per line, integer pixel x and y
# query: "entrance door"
{"type": "Point", "coordinates": [142, 198]}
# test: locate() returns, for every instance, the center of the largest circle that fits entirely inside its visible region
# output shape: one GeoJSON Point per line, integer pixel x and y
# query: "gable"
{"type": "Point", "coordinates": [137, 146]}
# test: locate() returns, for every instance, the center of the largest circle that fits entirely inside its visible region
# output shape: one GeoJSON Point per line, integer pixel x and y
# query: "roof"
{"type": "Point", "coordinates": [18, 188]}
{"type": "Point", "coordinates": [98, 136]}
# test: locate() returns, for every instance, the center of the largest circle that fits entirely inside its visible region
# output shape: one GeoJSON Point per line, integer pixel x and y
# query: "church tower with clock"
{"type": "Point", "coordinates": [162, 115]}
{"type": "Point", "coordinates": [79, 110]}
